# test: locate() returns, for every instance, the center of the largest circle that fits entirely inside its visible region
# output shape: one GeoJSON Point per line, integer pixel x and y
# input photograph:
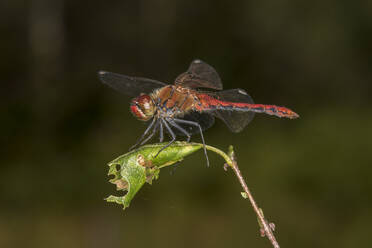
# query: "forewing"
{"type": "Point", "coordinates": [205, 120]}
{"type": "Point", "coordinates": [235, 120]}
{"type": "Point", "coordinates": [131, 86]}
{"type": "Point", "coordinates": [200, 75]}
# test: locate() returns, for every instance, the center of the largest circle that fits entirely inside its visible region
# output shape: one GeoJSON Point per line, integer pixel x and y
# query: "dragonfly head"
{"type": "Point", "coordinates": [143, 107]}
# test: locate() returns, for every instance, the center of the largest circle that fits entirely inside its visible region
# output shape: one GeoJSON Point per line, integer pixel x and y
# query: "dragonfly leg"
{"type": "Point", "coordinates": [174, 124]}
{"type": "Point", "coordinates": [171, 134]}
{"type": "Point", "coordinates": [154, 130]}
{"type": "Point", "coordinates": [161, 136]}
{"type": "Point", "coordinates": [201, 134]}
{"type": "Point", "coordinates": [143, 135]}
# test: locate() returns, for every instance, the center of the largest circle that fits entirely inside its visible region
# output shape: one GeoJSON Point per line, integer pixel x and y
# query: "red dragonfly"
{"type": "Point", "coordinates": [183, 109]}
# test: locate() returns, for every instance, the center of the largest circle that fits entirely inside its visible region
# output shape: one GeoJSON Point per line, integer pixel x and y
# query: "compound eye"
{"type": "Point", "coordinates": [145, 102]}
{"type": "Point", "coordinates": [143, 107]}
{"type": "Point", "coordinates": [137, 112]}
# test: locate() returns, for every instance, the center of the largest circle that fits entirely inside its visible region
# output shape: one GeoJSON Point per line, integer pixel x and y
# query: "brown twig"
{"type": "Point", "coordinates": [266, 227]}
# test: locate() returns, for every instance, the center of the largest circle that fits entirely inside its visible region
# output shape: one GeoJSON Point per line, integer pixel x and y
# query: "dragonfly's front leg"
{"type": "Point", "coordinates": [143, 135]}
{"type": "Point", "coordinates": [154, 130]}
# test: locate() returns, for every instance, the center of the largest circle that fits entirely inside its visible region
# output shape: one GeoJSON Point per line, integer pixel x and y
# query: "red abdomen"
{"type": "Point", "coordinates": [208, 103]}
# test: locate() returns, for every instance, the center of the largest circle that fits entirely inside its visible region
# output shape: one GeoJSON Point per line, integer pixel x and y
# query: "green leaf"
{"type": "Point", "coordinates": [133, 169]}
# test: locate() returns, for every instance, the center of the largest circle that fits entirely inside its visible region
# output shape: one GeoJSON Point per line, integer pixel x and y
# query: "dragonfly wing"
{"type": "Point", "coordinates": [131, 86]}
{"type": "Point", "coordinates": [235, 120]}
{"type": "Point", "coordinates": [200, 75]}
{"type": "Point", "coordinates": [205, 120]}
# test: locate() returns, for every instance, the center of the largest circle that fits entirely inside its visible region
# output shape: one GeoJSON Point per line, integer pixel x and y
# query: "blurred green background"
{"type": "Point", "coordinates": [60, 125]}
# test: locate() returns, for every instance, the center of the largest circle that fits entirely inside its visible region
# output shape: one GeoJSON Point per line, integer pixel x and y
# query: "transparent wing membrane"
{"type": "Point", "coordinates": [200, 75]}
{"type": "Point", "coordinates": [235, 120]}
{"type": "Point", "coordinates": [131, 86]}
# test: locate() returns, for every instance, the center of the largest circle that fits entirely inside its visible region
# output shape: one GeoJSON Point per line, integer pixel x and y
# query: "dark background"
{"type": "Point", "coordinates": [60, 125]}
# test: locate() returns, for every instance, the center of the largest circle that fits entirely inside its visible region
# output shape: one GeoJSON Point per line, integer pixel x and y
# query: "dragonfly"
{"type": "Point", "coordinates": [188, 106]}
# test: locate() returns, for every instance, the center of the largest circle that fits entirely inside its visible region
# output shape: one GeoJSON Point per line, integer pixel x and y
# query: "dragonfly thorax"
{"type": "Point", "coordinates": [143, 107]}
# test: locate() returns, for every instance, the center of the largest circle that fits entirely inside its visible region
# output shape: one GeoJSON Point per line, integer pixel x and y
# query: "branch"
{"type": "Point", "coordinates": [266, 227]}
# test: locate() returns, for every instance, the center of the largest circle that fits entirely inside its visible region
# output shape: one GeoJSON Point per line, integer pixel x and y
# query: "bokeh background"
{"type": "Point", "coordinates": [60, 126]}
